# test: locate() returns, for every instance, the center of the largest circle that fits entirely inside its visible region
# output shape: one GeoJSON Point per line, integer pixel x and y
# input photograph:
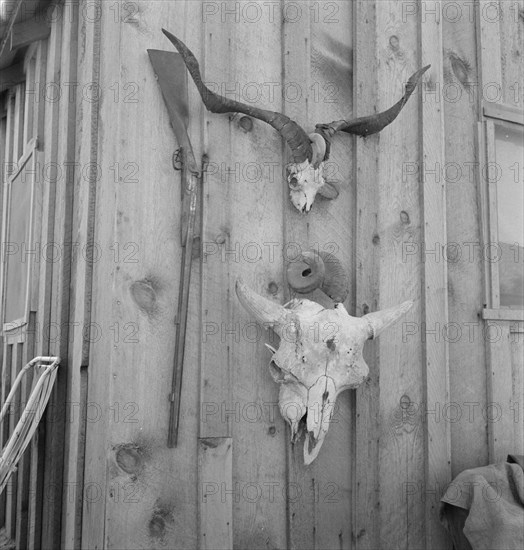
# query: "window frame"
{"type": "Point", "coordinates": [493, 114]}
{"type": "Point", "coordinates": [29, 156]}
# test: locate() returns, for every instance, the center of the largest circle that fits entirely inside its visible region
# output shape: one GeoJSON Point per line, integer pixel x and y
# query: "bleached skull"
{"type": "Point", "coordinates": [304, 182]}
{"type": "Point", "coordinates": [320, 355]}
{"type": "Point", "coordinates": [305, 179]}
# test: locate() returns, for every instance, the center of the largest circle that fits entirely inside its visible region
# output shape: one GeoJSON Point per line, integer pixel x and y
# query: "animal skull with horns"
{"type": "Point", "coordinates": [305, 175]}
{"type": "Point", "coordinates": [320, 356]}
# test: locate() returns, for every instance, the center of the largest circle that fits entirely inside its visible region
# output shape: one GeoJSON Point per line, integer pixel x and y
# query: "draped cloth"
{"type": "Point", "coordinates": [483, 508]}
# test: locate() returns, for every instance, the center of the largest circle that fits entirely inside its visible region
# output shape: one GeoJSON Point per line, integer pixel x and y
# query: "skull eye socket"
{"type": "Point", "coordinates": [293, 183]}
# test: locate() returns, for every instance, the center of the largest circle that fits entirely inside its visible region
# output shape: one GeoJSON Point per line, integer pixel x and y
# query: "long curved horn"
{"type": "Point", "coordinates": [265, 311]}
{"type": "Point", "coordinates": [295, 136]}
{"type": "Point", "coordinates": [380, 320]}
{"type": "Point", "coordinates": [367, 125]}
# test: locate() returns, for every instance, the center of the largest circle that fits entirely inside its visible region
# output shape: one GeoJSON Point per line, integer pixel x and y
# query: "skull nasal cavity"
{"type": "Point", "coordinates": [331, 344]}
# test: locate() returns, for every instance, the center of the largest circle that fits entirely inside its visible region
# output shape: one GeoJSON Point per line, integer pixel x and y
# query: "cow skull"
{"type": "Point", "coordinates": [320, 355]}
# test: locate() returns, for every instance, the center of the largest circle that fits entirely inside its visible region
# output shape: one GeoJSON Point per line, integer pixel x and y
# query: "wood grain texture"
{"type": "Point", "coordinates": [366, 530]}
{"type": "Point", "coordinates": [384, 462]}
{"type": "Point", "coordinates": [61, 224]}
{"type": "Point", "coordinates": [464, 225]}
{"type": "Point", "coordinates": [82, 235]}
{"type": "Point", "coordinates": [243, 222]}
{"type": "Point", "coordinates": [511, 43]}
{"type": "Point", "coordinates": [395, 372]}
{"type": "Point", "coordinates": [515, 416]}
{"type": "Point", "coordinates": [500, 408]}
{"type": "Point", "coordinates": [215, 473]}
{"type": "Point", "coordinates": [435, 282]}
{"type": "Point", "coordinates": [149, 491]}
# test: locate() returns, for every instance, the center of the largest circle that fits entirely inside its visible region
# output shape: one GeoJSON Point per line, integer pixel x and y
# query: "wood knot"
{"type": "Point", "coordinates": [404, 217]}
{"type": "Point", "coordinates": [405, 402]}
{"type": "Point", "coordinates": [272, 288]}
{"type": "Point", "coordinates": [129, 458]}
{"type": "Point", "coordinates": [157, 526]}
{"type": "Point", "coordinates": [394, 43]}
{"type": "Point", "coordinates": [144, 295]}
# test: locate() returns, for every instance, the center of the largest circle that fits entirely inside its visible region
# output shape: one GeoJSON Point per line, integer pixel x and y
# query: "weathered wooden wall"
{"type": "Point", "coordinates": [234, 480]}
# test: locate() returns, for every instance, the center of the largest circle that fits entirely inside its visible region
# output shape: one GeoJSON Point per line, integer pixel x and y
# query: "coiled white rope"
{"type": "Point", "coordinates": [30, 417]}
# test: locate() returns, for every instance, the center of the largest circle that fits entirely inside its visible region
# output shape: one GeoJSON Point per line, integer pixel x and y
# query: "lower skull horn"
{"type": "Point", "coordinates": [319, 356]}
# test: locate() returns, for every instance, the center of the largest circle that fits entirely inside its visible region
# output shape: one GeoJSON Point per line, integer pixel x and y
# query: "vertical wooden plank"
{"type": "Point", "coordinates": [97, 444]}
{"type": "Point", "coordinates": [515, 416]}
{"type": "Point", "coordinates": [365, 78]}
{"type": "Point", "coordinates": [215, 466]}
{"type": "Point", "coordinates": [399, 388]}
{"type": "Point", "coordinates": [489, 47]}
{"type": "Point", "coordinates": [215, 515]}
{"type": "Point", "coordinates": [48, 135]}
{"type": "Point", "coordinates": [146, 494]}
{"type": "Point", "coordinates": [317, 52]}
{"type": "Point", "coordinates": [459, 94]}
{"type": "Point", "coordinates": [242, 215]}
{"type": "Point", "coordinates": [82, 235]}
{"type": "Point", "coordinates": [60, 283]}
{"type": "Point", "coordinates": [512, 41]}
{"type": "Point", "coordinates": [500, 406]}
{"type": "Point", "coordinates": [435, 278]}
{"type": "Point", "coordinates": [44, 296]}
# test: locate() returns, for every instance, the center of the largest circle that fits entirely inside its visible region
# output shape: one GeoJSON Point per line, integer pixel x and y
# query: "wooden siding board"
{"type": "Point", "coordinates": [61, 224]}
{"type": "Point", "coordinates": [500, 407]}
{"type": "Point", "coordinates": [93, 513]}
{"type": "Point", "coordinates": [82, 235]}
{"type": "Point", "coordinates": [317, 53]}
{"type": "Point", "coordinates": [215, 469]}
{"type": "Point", "coordinates": [400, 434]}
{"type": "Point", "coordinates": [156, 498]}
{"type": "Point", "coordinates": [43, 515]}
{"type": "Point", "coordinates": [511, 41]}
{"type": "Point", "coordinates": [43, 276]}
{"type": "Point", "coordinates": [366, 530]}
{"type": "Point", "coordinates": [515, 415]}
{"type": "Point", "coordinates": [435, 282]}
{"type": "Point", "coordinates": [242, 213]}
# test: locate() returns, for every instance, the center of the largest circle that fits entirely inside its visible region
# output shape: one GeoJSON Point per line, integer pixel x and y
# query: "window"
{"type": "Point", "coordinates": [503, 180]}
{"type": "Point", "coordinates": [18, 239]}
{"type": "Point", "coordinates": [509, 151]}
{"type": "Point", "coordinates": [21, 204]}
